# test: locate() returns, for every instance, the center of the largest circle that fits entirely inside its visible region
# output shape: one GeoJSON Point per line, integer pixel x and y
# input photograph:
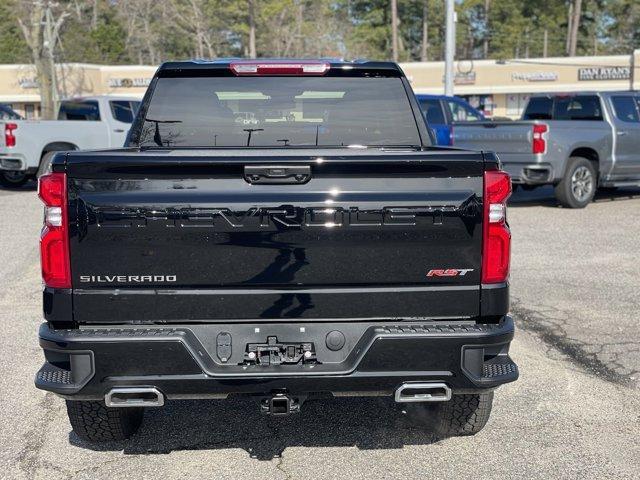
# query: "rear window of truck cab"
{"type": "Point", "coordinates": [85, 110]}
{"type": "Point", "coordinates": [124, 110]}
{"type": "Point", "coordinates": [564, 107]}
{"type": "Point", "coordinates": [539, 108]}
{"type": "Point", "coordinates": [279, 111]}
{"type": "Point", "coordinates": [580, 107]}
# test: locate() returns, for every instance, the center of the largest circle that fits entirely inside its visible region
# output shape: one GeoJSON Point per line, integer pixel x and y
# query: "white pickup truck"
{"type": "Point", "coordinates": [83, 123]}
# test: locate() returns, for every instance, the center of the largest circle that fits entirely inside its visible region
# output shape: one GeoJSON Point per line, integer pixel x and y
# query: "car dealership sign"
{"type": "Point", "coordinates": [604, 73]}
{"type": "Point", "coordinates": [129, 82]}
{"type": "Point", "coordinates": [27, 83]}
{"type": "Point", "coordinates": [534, 76]}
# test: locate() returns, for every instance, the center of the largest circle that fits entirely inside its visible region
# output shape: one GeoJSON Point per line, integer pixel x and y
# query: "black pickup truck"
{"type": "Point", "coordinates": [279, 229]}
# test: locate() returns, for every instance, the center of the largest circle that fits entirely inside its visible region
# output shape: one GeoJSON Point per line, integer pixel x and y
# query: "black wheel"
{"type": "Point", "coordinates": [13, 179]}
{"type": "Point", "coordinates": [577, 188]}
{"type": "Point", "coordinates": [95, 422]}
{"type": "Point", "coordinates": [465, 414]}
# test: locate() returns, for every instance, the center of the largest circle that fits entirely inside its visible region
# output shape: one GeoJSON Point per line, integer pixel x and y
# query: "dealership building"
{"type": "Point", "coordinates": [500, 88]}
{"type": "Point", "coordinates": [19, 87]}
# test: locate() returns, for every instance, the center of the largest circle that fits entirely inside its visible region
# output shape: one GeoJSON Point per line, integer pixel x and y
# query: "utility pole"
{"type": "Point", "coordinates": [487, 30]}
{"type": "Point", "coordinates": [394, 29]}
{"type": "Point", "coordinates": [450, 46]}
{"type": "Point", "coordinates": [632, 76]}
{"type": "Point", "coordinates": [595, 34]}
{"type": "Point", "coordinates": [569, 27]}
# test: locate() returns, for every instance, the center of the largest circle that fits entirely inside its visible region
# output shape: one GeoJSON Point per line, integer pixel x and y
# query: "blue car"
{"type": "Point", "coordinates": [441, 111]}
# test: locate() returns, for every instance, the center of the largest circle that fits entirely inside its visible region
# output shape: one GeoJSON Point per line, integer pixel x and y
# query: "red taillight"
{"type": "Point", "coordinates": [539, 144]}
{"type": "Point", "coordinates": [54, 239]}
{"type": "Point", "coordinates": [496, 243]}
{"type": "Point", "coordinates": [9, 137]}
{"type": "Point", "coordinates": [279, 68]}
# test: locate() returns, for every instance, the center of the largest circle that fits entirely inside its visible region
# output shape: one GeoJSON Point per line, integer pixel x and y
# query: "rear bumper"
{"type": "Point", "coordinates": [530, 169]}
{"type": "Point", "coordinates": [191, 361]}
{"type": "Point", "coordinates": [13, 162]}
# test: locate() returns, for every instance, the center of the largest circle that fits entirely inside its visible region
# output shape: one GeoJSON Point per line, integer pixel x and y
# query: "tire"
{"type": "Point", "coordinates": [95, 422]}
{"type": "Point", "coordinates": [13, 179]}
{"type": "Point", "coordinates": [577, 188]}
{"type": "Point", "coordinates": [463, 415]}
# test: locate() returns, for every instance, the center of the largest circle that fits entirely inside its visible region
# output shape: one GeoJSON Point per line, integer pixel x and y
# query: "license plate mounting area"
{"type": "Point", "coordinates": [279, 353]}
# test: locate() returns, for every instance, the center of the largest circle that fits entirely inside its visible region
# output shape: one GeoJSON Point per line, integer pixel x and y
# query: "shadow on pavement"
{"type": "Point", "coordinates": [31, 185]}
{"type": "Point", "coordinates": [544, 197]}
{"type": "Point", "coordinates": [366, 423]}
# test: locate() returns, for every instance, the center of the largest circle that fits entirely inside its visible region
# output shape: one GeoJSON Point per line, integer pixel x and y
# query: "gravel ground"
{"type": "Point", "coordinates": [574, 413]}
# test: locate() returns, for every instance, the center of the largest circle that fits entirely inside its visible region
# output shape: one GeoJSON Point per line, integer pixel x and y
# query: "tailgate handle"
{"type": "Point", "coordinates": [277, 174]}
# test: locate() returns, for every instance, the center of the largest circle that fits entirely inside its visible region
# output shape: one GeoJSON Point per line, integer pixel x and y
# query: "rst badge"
{"type": "Point", "coordinates": [449, 272]}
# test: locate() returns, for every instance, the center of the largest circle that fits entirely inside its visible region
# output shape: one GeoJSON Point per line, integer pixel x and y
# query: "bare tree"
{"type": "Point", "coordinates": [94, 14]}
{"type": "Point", "coordinates": [284, 26]}
{"type": "Point", "coordinates": [323, 30]}
{"type": "Point", "coordinates": [140, 19]}
{"type": "Point", "coordinates": [252, 28]}
{"type": "Point", "coordinates": [576, 13]}
{"type": "Point", "coordinates": [394, 29]}
{"type": "Point", "coordinates": [487, 30]}
{"type": "Point", "coordinates": [569, 29]}
{"type": "Point", "coordinates": [41, 30]}
{"type": "Point", "coordinates": [191, 17]}
{"type": "Point", "coordinates": [424, 46]}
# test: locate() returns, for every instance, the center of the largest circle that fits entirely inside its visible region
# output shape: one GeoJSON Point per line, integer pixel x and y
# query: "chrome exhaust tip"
{"type": "Point", "coordinates": [134, 397]}
{"type": "Point", "coordinates": [422, 392]}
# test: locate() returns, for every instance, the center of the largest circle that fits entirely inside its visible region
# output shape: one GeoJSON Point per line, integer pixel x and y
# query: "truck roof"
{"type": "Point", "coordinates": [335, 67]}
{"type": "Point", "coordinates": [119, 96]}
{"type": "Point", "coordinates": [585, 92]}
{"type": "Point", "coordinates": [438, 97]}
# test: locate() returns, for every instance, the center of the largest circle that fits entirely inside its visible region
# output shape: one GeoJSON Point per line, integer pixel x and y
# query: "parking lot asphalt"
{"type": "Point", "coordinates": [574, 413]}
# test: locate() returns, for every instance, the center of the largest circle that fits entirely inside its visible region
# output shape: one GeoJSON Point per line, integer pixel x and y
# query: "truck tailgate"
{"type": "Point", "coordinates": [500, 137]}
{"type": "Point", "coordinates": [191, 239]}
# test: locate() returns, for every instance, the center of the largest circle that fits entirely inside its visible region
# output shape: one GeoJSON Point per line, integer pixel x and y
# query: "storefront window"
{"type": "Point", "coordinates": [484, 103]}
{"type": "Point", "coordinates": [516, 103]}
{"type": "Point", "coordinates": [29, 111]}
